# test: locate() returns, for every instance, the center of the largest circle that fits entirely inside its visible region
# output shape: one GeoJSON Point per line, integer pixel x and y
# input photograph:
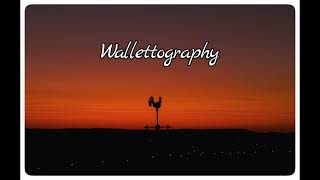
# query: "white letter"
{"type": "Point", "coordinates": [104, 52]}
{"type": "Point", "coordinates": [214, 59]}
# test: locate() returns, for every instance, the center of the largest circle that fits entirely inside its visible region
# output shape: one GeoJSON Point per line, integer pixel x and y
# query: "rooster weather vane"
{"type": "Point", "coordinates": [156, 105]}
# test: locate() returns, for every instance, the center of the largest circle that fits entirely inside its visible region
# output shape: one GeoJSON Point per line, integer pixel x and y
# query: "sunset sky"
{"type": "Point", "coordinates": [251, 86]}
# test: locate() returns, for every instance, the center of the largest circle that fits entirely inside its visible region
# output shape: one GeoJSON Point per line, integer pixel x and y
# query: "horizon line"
{"type": "Point", "coordinates": [164, 129]}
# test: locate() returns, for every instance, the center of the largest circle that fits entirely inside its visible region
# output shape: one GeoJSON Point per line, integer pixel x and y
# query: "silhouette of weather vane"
{"type": "Point", "coordinates": [156, 105]}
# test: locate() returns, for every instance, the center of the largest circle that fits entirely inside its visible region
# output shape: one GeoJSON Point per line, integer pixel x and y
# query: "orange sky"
{"type": "Point", "coordinates": [251, 86]}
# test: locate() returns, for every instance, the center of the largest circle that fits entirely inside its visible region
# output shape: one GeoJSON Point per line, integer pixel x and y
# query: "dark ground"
{"type": "Point", "coordinates": [172, 152]}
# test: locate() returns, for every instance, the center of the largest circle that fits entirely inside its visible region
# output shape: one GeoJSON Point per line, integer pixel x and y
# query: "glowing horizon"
{"type": "Point", "coordinates": [252, 86]}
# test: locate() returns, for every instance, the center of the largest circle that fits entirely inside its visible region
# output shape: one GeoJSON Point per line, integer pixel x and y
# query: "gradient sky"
{"type": "Point", "coordinates": [251, 86]}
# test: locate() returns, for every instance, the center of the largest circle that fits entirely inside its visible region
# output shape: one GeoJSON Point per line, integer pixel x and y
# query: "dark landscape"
{"type": "Point", "coordinates": [164, 152]}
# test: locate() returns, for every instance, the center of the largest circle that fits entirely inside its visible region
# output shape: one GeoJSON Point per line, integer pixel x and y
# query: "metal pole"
{"type": "Point", "coordinates": [157, 126]}
{"type": "Point", "coordinates": [157, 117]}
